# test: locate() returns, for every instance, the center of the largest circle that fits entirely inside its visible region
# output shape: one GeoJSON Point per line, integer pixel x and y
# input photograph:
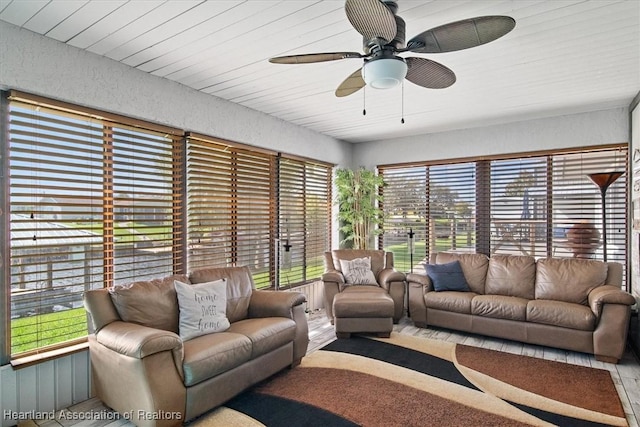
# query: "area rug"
{"type": "Point", "coordinates": [411, 381]}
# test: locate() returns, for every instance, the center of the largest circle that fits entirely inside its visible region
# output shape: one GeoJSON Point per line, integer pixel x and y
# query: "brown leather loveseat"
{"type": "Point", "coordinates": [568, 303]}
{"type": "Point", "coordinates": [145, 371]}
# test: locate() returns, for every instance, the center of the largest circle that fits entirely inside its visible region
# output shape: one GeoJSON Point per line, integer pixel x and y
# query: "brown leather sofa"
{"type": "Point", "coordinates": [142, 369]}
{"type": "Point", "coordinates": [388, 280]}
{"type": "Point", "coordinates": [568, 303]}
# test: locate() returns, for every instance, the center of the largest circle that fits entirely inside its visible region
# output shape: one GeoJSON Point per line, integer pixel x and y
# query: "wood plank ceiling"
{"type": "Point", "coordinates": [563, 57]}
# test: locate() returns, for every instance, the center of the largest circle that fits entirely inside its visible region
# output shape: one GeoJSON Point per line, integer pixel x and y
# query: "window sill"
{"type": "Point", "coordinates": [34, 359]}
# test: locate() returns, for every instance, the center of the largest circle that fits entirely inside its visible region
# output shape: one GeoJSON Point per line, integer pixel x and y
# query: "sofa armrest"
{"type": "Point", "coordinates": [333, 276]}
{"type": "Point", "coordinates": [274, 303]}
{"type": "Point", "coordinates": [420, 279]}
{"type": "Point", "coordinates": [389, 275]}
{"type": "Point", "coordinates": [608, 294]}
{"type": "Point", "coordinates": [137, 341]}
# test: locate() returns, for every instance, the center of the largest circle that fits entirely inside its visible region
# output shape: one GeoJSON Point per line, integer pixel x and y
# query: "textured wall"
{"type": "Point", "coordinates": [32, 63]}
{"type": "Point", "coordinates": [595, 128]}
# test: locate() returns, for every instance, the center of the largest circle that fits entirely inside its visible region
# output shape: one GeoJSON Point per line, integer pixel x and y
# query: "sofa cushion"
{"type": "Point", "coordinates": [358, 271]}
{"type": "Point", "coordinates": [151, 303]}
{"type": "Point", "coordinates": [203, 308]}
{"type": "Point", "coordinates": [563, 314]}
{"type": "Point", "coordinates": [568, 279]}
{"type": "Point", "coordinates": [209, 355]}
{"type": "Point", "coordinates": [458, 302]}
{"type": "Point", "coordinates": [474, 267]}
{"type": "Point", "coordinates": [447, 277]}
{"type": "Point", "coordinates": [239, 287]}
{"type": "Point", "coordinates": [500, 307]}
{"type": "Point", "coordinates": [511, 275]}
{"type": "Point", "coordinates": [266, 334]}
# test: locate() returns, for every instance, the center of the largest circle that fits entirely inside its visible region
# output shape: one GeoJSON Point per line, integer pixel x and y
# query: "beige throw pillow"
{"type": "Point", "coordinates": [202, 308]}
{"type": "Point", "coordinates": [358, 271]}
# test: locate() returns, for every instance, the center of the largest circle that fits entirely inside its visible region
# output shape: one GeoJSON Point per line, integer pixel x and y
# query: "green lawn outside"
{"type": "Point", "coordinates": [288, 275]}
{"type": "Point", "coordinates": [123, 231]}
{"type": "Point", "coordinates": [401, 258]}
{"type": "Point", "coordinates": [69, 324]}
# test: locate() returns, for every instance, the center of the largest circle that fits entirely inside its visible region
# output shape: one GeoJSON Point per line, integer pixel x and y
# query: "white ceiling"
{"type": "Point", "coordinates": [563, 57]}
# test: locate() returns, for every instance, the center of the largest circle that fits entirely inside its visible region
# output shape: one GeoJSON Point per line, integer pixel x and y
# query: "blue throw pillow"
{"type": "Point", "coordinates": [447, 277]}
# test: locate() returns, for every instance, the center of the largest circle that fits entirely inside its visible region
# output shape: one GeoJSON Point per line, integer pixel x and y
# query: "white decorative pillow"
{"type": "Point", "coordinates": [358, 271]}
{"type": "Point", "coordinates": [203, 308]}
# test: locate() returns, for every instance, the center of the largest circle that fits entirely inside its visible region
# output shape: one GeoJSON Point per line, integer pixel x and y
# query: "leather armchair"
{"type": "Point", "coordinates": [388, 279]}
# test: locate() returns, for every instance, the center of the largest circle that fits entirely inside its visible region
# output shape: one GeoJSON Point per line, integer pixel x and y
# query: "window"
{"type": "Point", "coordinates": [257, 208]}
{"type": "Point", "coordinates": [576, 214]}
{"type": "Point", "coordinates": [405, 208]}
{"type": "Point", "coordinates": [547, 206]}
{"type": "Point", "coordinates": [231, 205]}
{"type": "Point", "coordinates": [435, 202]}
{"type": "Point", "coordinates": [96, 199]}
{"type": "Point", "coordinates": [518, 210]}
{"type": "Point", "coordinates": [540, 205]}
{"type": "Point", "coordinates": [304, 203]}
{"type": "Point", "coordinates": [91, 200]}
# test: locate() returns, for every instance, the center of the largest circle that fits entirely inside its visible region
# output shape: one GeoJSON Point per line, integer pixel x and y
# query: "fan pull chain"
{"type": "Point", "coordinates": [402, 112]}
{"type": "Point", "coordinates": [364, 101]}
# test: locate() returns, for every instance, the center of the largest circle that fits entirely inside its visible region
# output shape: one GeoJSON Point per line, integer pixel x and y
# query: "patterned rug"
{"type": "Point", "coordinates": [410, 381]}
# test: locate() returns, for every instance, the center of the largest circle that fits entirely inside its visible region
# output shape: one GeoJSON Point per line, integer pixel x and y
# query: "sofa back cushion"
{"type": "Point", "coordinates": [474, 267]}
{"type": "Point", "coordinates": [511, 275]}
{"type": "Point", "coordinates": [568, 279]}
{"type": "Point", "coordinates": [240, 286]}
{"type": "Point", "coordinates": [152, 303]}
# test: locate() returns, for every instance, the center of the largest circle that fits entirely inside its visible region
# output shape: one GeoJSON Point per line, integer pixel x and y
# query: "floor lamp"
{"type": "Point", "coordinates": [411, 246]}
{"type": "Point", "coordinates": [603, 181]}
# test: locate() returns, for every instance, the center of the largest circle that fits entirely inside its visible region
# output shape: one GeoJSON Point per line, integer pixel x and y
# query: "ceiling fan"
{"type": "Point", "coordinates": [383, 38]}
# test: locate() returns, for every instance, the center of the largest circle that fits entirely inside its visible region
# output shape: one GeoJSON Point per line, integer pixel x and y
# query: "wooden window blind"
{"type": "Point", "coordinates": [231, 207]}
{"type": "Point", "coordinates": [405, 208]}
{"type": "Point", "coordinates": [304, 220]}
{"type": "Point", "coordinates": [531, 205]}
{"type": "Point", "coordinates": [576, 205]}
{"type": "Point", "coordinates": [146, 191]}
{"type": "Point", "coordinates": [90, 199]}
{"type": "Point", "coordinates": [518, 209]}
{"type": "Point", "coordinates": [436, 202]}
{"type": "Point", "coordinates": [452, 207]}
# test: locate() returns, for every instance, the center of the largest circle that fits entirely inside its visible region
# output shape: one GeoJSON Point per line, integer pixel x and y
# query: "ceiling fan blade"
{"type": "Point", "coordinates": [351, 84]}
{"type": "Point", "coordinates": [429, 74]}
{"type": "Point", "coordinates": [461, 34]}
{"type": "Point", "coordinates": [372, 19]}
{"type": "Point", "coordinates": [314, 57]}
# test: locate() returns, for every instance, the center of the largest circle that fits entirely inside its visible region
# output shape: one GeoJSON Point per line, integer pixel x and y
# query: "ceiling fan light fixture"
{"type": "Point", "coordinates": [384, 73]}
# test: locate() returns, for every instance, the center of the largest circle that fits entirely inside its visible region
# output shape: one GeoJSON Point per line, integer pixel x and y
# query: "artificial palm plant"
{"type": "Point", "coordinates": [358, 198]}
